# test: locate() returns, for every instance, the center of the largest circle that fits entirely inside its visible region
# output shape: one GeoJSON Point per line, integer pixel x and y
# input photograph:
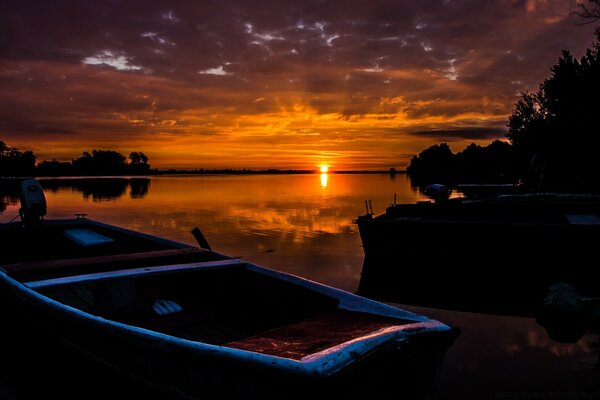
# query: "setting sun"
{"type": "Point", "coordinates": [324, 169]}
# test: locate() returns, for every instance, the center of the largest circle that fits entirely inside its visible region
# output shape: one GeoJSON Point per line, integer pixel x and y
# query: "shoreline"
{"type": "Point", "coordinates": [201, 173]}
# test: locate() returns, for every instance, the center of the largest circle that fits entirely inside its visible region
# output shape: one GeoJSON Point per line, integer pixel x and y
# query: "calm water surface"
{"type": "Point", "coordinates": [302, 224]}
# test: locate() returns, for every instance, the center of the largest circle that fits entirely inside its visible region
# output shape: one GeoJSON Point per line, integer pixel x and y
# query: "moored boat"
{"type": "Point", "coordinates": [201, 323]}
{"type": "Point", "coordinates": [499, 254]}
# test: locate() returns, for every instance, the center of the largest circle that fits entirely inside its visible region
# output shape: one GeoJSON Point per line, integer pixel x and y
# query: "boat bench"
{"type": "Point", "coordinates": [300, 339]}
{"type": "Point", "coordinates": [70, 266]}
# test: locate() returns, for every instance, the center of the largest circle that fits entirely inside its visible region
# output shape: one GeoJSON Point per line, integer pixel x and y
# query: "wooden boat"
{"type": "Point", "coordinates": [498, 254]}
{"type": "Point", "coordinates": [203, 324]}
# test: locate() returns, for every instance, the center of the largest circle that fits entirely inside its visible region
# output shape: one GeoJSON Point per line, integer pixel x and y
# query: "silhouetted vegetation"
{"type": "Point", "coordinates": [99, 162]}
{"type": "Point", "coordinates": [435, 163]}
{"type": "Point", "coordinates": [109, 162]}
{"type": "Point", "coordinates": [588, 11]}
{"type": "Point", "coordinates": [555, 130]}
{"type": "Point", "coordinates": [55, 168]}
{"type": "Point", "coordinates": [14, 162]}
{"type": "Point", "coordinates": [113, 163]}
{"type": "Point", "coordinates": [554, 139]}
{"type": "Point", "coordinates": [475, 164]}
{"type": "Point", "coordinates": [138, 163]}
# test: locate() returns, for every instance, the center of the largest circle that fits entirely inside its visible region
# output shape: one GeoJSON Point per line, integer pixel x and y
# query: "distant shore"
{"type": "Point", "coordinates": [264, 172]}
{"type": "Point", "coordinates": [211, 172]}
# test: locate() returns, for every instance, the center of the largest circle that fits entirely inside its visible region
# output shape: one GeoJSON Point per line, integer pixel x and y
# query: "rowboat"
{"type": "Point", "coordinates": [497, 254]}
{"type": "Point", "coordinates": [202, 324]}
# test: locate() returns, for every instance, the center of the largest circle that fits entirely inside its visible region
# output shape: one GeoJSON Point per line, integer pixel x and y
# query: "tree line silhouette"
{"type": "Point", "coordinates": [14, 162]}
{"type": "Point", "coordinates": [553, 136]}
{"type": "Point", "coordinates": [494, 163]}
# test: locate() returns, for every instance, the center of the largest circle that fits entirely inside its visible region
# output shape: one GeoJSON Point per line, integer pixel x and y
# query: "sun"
{"type": "Point", "coordinates": [324, 169]}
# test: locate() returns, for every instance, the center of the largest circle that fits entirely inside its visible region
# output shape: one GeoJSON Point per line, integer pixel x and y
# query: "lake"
{"type": "Point", "coordinates": [302, 224]}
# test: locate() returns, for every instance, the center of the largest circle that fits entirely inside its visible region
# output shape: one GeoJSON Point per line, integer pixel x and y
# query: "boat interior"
{"type": "Point", "coordinates": [75, 247]}
{"type": "Point", "coordinates": [186, 292]}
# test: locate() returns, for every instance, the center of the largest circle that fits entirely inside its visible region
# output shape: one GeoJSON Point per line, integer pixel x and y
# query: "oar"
{"type": "Point", "coordinates": [199, 236]}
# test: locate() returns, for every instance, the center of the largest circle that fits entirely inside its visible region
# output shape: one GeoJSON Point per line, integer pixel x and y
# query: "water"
{"type": "Point", "coordinates": [302, 224]}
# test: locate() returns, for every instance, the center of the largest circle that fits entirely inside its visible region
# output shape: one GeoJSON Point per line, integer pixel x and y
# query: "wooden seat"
{"type": "Point", "coordinates": [99, 260]}
{"type": "Point", "coordinates": [312, 335]}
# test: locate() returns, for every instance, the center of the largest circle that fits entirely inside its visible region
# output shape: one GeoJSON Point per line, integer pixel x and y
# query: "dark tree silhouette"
{"type": "Point", "coordinates": [434, 164]}
{"type": "Point", "coordinates": [54, 168]}
{"type": "Point", "coordinates": [138, 163]}
{"type": "Point", "coordinates": [554, 131]}
{"type": "Point", "coordinates": [589, 11]}
{"type": "Point", "coordinates": [100, 162]}
{"type": "Point", "coordinates": [16, 163]}
{"type": "Point", "coordinates": [475, 164]}
{"type": "Point", "coordinates": [490, 164]}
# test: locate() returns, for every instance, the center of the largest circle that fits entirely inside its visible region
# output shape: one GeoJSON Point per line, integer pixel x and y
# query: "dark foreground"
{"type": "Point", "coordinates": [495, 357]}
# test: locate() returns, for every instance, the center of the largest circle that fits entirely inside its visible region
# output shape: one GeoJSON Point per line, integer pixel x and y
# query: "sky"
{"type": "Point", "coordinates": [356, 85]}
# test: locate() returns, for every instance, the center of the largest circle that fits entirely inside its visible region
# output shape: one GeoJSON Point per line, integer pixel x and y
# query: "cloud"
{"type": "Point", "coordinates": [463, 133]}
{"type": "Point", "coordinates": [109, 58]}
{"type": "Point", "coordinates": [215, 71]}
{"type": "Point", "coordinates": [349, 73]}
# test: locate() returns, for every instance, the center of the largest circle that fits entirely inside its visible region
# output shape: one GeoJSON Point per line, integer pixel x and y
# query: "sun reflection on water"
{"type": "Point", "coordinates": [324, 179]}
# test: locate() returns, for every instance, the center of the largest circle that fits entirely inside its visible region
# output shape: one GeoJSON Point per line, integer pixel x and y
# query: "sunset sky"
{"type": "Point", "coordinates": [272, 83]}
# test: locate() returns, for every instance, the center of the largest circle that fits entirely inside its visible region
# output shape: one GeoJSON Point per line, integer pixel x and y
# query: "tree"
{"type": "Point", "coordinates": [100, 162]}
{"type": "Point", "coordinates": [138, 163]}
{"type": "Point", "coordinates": [137, 157]}
{"type": "Point", "coordinates": [435, 163]}
{"type": "Point", "coordinates": [16, 163]}
{"type": "Point", "coordinates": [554, 131]}
{"type": "Point", "coordinates": [589, 12]}
{"type": "Point", "coordinates": [490, 164]}
{"type": "Point", "coordinates": [54, 168]}
{"type": "Point", "coordinates": [493, 163]}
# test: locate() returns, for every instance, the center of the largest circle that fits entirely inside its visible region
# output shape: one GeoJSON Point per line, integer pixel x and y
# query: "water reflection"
{"type": "Point", "coordinates": [511, 357]}
{"type": "Point", "coordinates": [100, 189]}
{"type": "Point", "coordinates": [8, 196]}
{"type": "Point", "coordinates": [324, 180]}
{"type": "Point", "coordinates": [284, 221]}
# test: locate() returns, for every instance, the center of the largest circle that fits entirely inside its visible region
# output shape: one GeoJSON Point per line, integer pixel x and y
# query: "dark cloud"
{"type": "Point", "coordinates": [123, 70]}
{"type": "Point", "coordinates": [463, 133]}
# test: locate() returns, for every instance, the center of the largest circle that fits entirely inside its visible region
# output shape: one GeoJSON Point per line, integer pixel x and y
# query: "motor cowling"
{"type": "Point", "coordinates": [33, 201]}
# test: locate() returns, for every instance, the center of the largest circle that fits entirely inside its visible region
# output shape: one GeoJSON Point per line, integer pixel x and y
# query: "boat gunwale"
{"type": "Point", "coordinates": [133, 272]}
{"type": "Point", "coordinates": [86, 221]}
{"type": "Point", "coordinates": [384, 218]}
{"type": "Point", "coordinates": [454, 220]}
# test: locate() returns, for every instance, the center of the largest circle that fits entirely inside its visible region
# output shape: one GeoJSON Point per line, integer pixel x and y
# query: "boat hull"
{"type": "Point", "coordinates": [409, 366]}
{"type": "Point", "coordinates": [489, 266]}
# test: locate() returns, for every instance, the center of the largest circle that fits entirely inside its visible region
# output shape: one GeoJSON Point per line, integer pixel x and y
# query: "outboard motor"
{"type": "Point", "coordinates": [438, 192]}
{"type": "Point", "coordinates": [33, 202]}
